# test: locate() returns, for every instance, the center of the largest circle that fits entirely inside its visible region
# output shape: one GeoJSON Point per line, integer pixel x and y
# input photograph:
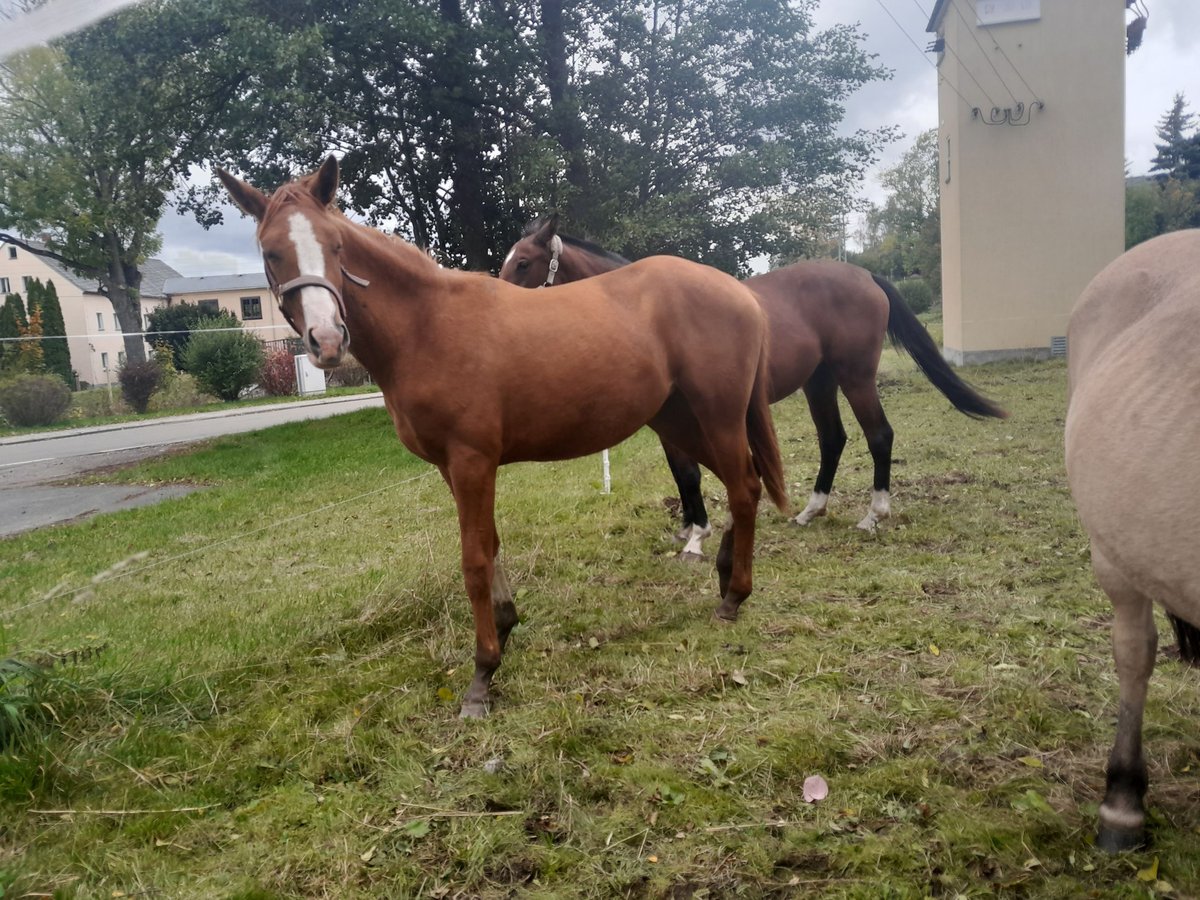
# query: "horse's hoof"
{"type": "Point", "coordinates": [689, 557]}
{"type": "Point", "coordinates": [1118, 840]}
{"type": "Point", "coordinates": [807, 517]}
{"type": "Point", "coordinates": [869, 525]}
{"type": "Point", "coordinates": [726, 613]}
{"type": "Point", "coordinates": [473, 709]}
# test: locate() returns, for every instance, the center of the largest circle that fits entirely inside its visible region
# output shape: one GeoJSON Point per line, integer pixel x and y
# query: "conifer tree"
{"type": "Point", "coordinates": [12, 320]}
{"type": "Point", "coordinates": [54, 348]}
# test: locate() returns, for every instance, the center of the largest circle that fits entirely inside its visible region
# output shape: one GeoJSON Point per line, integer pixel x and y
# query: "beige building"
{"type": "Point", "coordinates": [1031, 100]}
{"type": "Point", "coordinates": [94, 336]}
{"type": "Point", "coordinates": [246, 297]}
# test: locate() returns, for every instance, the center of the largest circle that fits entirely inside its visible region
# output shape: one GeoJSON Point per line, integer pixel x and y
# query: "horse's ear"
{"type": "Point", "coordinates": [249, 200]}
{"type": "Point", "coordinates": [546, 230]}
{"type": "Point", "coordinates": [326, 183]}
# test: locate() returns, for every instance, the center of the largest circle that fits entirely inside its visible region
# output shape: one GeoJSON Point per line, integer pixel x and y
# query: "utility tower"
{"type": "Point", "coordinates": [1031, 103]}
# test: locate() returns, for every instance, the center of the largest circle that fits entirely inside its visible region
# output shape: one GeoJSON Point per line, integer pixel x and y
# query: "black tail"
{"type": "Point", "coordinates": [908, 334]}
{"type": "Point", "coordinates": [1188, 636]}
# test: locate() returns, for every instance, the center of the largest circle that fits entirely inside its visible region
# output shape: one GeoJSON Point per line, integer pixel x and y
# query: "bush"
{"type": "Point", "coordinates": [172, 326]}
{"type": "Point", "coordinates": [916, 293]}
{"type": "Point", "coordinates": [224, 363]}
{"type": "Point", "coordinates": [180, 392]}
{"type": "Point", "coordinates": [278, 375]}
{"type": "Point", "coordinates": [349, 374]}
{"type": "Point", "coordinates": [139, 380]}
{"type": "Point", "coordinates": [35, 400]}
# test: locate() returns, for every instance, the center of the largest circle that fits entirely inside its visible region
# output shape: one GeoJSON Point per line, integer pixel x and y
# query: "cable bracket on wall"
{"type": "Point", "coordinates": [1010, 115]}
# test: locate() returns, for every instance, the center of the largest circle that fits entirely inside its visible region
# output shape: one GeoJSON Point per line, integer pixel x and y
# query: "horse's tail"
{"type": "Point", "coordinates": [908, 334]}
{"type": "Point", "coordinates": [1188, 636]}
{"type": "Point", "coordinates": [764, 446]}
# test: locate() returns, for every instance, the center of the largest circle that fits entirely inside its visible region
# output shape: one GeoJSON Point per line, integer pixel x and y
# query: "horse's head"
{"type": "Point", "coordinates": [300, 237]}
{"type": "Point", "coordinates": [533, 260]}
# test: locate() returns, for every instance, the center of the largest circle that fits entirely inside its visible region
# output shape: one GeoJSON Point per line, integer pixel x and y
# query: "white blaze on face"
{"type": "Point", "coordinates": [320, 309]}
{"type": "Point", "coordinates": [511, 253]}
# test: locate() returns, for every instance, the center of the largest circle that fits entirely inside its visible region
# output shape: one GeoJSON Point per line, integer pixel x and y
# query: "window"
{"type": "Point", "coordinates": [4, 288]}
{"type": "Point", "coordinates": [116, 323]}
{"type": "Point", "coordinates": [27, 280]}
{"type": "Point", "coordinates": [210, 307]}
{"type": "Point", "coordinates": [251, 308]}
{"type": "Point", "coordinates": [104, 361]}
{"type": "Point", "coordinates": [121, 358]}
{"type": "Point", "coordinates": [100, 323]}
{"type": "Point", "coordinates": [12, 252]}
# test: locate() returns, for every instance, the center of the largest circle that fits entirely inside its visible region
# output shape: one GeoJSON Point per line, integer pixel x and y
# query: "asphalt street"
{"type": "Point", "coordinates": [34, 467]}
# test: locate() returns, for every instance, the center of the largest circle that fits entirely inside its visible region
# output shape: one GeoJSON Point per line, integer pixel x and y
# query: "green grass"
{"type": "Point", "coordinates": [254, 689]}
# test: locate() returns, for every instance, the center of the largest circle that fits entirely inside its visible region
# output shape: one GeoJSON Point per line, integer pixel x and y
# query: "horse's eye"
{"type": "Point", "coordinates": [522, 264]}
{"type": "Point", "coordinates": [271, 257]}
{"type": "Point", "coordinates": [337, 249]}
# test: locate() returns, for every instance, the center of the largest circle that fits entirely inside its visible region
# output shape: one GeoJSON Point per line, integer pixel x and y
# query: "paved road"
{"type": "Point", "coordinates": [30, 465]}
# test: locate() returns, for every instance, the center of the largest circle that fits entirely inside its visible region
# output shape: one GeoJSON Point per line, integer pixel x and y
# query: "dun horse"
{"type": "Point", "coordinates": [1133, 461]}
{"type": "Point", "coordinates": [827, 322]}
{"type": "Point", "coordinates": [476, 373]}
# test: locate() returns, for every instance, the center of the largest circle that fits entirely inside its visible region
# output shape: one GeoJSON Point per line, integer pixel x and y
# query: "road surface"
{"type": "Point", "coordinates": [33, 466]}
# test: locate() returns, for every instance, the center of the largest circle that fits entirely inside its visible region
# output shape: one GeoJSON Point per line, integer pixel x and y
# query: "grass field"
{"type": "Point", "coordinates": [254, 690]}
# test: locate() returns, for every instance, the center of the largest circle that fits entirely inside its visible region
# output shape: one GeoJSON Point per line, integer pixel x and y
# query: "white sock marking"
{"type": "Point", "coordinates": [817, 504]}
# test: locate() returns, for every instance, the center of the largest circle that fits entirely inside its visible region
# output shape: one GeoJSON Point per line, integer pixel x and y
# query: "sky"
{"type": "Point", "coordinates": [1167, 63]}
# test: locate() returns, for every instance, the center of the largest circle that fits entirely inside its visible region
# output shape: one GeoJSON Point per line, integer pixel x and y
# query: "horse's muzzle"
{"type": "Point", "coordinates": [327, 344]}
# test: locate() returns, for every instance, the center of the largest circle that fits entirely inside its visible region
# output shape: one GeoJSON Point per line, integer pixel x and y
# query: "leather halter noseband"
{"type": "Point", "coordinates": [280, 290]}
{"type": "Point", "coordinates": [556, 246]}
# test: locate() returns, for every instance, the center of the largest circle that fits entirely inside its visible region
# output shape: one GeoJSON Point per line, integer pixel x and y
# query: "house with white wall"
{"type": "Point", "coordinates": [94, 336]}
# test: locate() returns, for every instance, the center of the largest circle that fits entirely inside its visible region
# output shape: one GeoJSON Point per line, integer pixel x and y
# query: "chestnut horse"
{"type": "Point", "coordinates": [827, 322]}
{"type": "Point", "coordinates": [476, 373]}
{"type": "Point", "coordinates": [1133, 461]}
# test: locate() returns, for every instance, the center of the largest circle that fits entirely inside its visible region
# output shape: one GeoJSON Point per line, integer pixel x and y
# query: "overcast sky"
{"type": "Point", "coordinates": [1167, 63]}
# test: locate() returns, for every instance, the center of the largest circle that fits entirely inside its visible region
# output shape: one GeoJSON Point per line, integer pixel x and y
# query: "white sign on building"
{"type": "Point", "coordinates": [996, 12]}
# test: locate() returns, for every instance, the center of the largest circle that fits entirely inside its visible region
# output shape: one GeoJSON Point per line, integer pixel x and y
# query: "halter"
{"type": "Point", "coordinates": [281, 290]}
{"type": "Point", "coordinates": [556, 246]}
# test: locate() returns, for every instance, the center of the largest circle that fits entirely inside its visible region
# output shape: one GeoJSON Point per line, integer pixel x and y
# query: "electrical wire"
{"type": "Point", "coordinates": [945, 81]}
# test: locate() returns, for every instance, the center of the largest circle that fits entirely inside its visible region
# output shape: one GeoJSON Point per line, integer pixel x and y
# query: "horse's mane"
{"type": "Point", "coordinates": [587, 246]}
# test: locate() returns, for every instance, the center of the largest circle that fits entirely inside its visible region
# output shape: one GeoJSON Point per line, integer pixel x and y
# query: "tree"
{"type": "Point", "coordinates": [55, 351]}
{"type": "Point", "coordinates": [702, 128]}
{"type": "Point", "coordinates": [1173, 150]}
{"type": "Point", "coordinates": [903, 237]}
{"type": "Point", "coordinates": [98, 130]}
{"type": "Point", "coordinates": [12, 323]}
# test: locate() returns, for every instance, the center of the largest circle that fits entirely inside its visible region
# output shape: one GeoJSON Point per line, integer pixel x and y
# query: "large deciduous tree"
{"type": "Point", "coordinates": [98, 130]}
{"type": "Point", "coordinates": [706, 128]}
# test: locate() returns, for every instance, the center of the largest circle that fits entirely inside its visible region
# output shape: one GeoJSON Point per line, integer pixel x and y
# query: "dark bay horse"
{"type": "Point", "coordinates": [476, 373]}
{"type": "Point", "coordinates": [1133, 461]}
{"type": "Point", "coordinates": [827, 321]}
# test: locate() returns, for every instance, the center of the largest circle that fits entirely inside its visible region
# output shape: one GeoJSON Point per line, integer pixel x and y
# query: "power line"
{"type": "Point", "coordinates": [947, 81]}
{"type": "Point", "coordinates": [971, 31]}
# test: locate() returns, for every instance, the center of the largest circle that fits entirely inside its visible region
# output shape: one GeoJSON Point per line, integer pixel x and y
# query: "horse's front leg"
{"type": "Point", "coordinates": [473, 481]}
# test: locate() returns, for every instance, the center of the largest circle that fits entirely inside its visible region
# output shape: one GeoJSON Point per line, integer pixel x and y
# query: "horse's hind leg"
{"type": "Point", "coordinates": [686, 472]}
{"type": "Point", "coordinates": [1135, 640]}
{"type": "Point", "coordinates": [735, 558]}
{"type": "Point", "coordinates": [863, 397]}
{"type": "Point", "coordinates": [821, 391]}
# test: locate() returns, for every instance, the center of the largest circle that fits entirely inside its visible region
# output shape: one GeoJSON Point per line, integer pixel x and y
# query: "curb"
{"type": "Point", "coordinates": [190, 417]}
